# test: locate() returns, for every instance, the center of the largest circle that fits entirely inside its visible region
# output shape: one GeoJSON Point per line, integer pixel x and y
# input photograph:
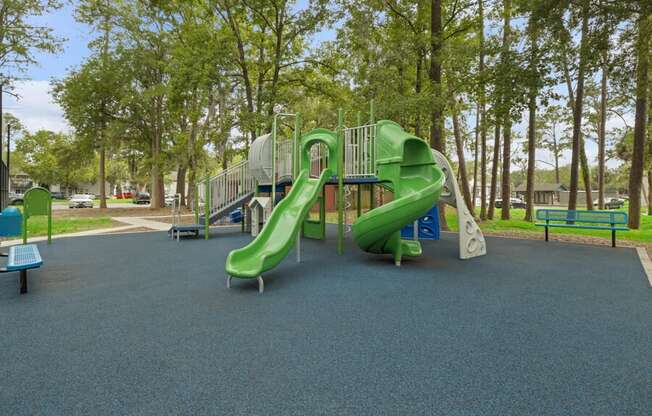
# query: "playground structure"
{"type": "Point", "coordinates": [380, 155]}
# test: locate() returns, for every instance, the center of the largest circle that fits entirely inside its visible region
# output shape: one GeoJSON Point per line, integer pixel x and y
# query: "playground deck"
{"type": "Point", "coordinates": [140, 324]}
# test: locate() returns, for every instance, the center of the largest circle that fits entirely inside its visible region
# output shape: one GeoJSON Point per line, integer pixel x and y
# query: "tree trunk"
{"type": "Point", "coordinates": [103, 133]}
{"type": "Point", "coordinates": [602, 135]}
{"type": "Point", "coordinates": [181, 184]}
{"type": "Point", "coordinates": [437, 113]}
{"type": "Point", "coordinates": [577, 109]}
{"type": "Point", "coordinates": [459, 145]}
{"type": "Point", "coordinates": [505, 192]}
{"type": "Point", "coordinates": [102, 175]}
{"type": "Point", "coordinates": [476, 149]}
{"type": "Point", "coordinates": [649, 192]}
{"type": "Point", "coordinates": [483, 122]}
{"type": "Point", "coordinates": [155, 173]}
{"type": "Point", "coordinates": [192, 184]}
{"type": "Point", "coordinates": [557, 178]}
{"type": "Point", "coordinates": [640, 121]}
{"type": "Point", "coordinates": [507, 121]}
{"type": "Point", "coordinates": [531, 157]}
{"type": "Point", "coordinates": [417, 92]}
{"type": "Point", "coordinates": [494, 173]}
{"type": "Point", "coordinates": [532, 126]}
{"type": "Point", "coordinates": [586, 175]}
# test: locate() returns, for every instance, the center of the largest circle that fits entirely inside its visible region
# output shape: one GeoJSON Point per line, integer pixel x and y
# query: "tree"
{"type": "Point", "coordinates": [56, 158]}
{"type": "Point", "coordinates": [576, 103]}
{"type": "Point", "coordinates": [103, 16]}
{"type": "Point", "coordinates": [533, 32]}
{"type": "Point", "coordinates": [267, 41]}
{"type": "Point", "coordinates": [506, 58]}
{"type": "Point", "coordinates": [549, 124]}
{"type": "Point", "coordinates": [494, 171]}
{"type": "Point", "coordinates": [21, 39]}
{"type": "Point", "coordinates": [482, 113]}
{"type": "Point", "coordinates": [644, 31]}
{"type": "Point", "coordinates": [91, 99]}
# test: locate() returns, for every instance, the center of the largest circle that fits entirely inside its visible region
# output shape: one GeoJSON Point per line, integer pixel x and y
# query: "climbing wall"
{"type": "Point", "coordinates": [472, 242]}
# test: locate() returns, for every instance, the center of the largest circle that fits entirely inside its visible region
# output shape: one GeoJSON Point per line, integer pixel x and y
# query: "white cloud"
{"type": "Point", "coordinates": [35, 107]}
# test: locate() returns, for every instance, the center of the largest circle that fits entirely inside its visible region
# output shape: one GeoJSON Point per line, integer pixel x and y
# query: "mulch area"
{"type": "Point", "coordinates": [184, 220]}
{"type": "Point", "coordinates": [568, 238]}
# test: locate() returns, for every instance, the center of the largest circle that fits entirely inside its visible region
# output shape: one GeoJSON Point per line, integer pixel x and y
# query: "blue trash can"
{"type": "Point", "coordinates": [11, 222]}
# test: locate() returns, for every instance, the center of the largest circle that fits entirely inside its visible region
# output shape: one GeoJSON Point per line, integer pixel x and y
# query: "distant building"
{"type": "Point", "coordinates": [544, 193]}
{"type": "Point", "coordinates": [20, 182]}
{"type": "Point", "coordinates": [81, 188]}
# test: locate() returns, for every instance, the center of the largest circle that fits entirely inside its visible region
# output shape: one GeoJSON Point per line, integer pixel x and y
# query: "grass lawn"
{"type": "Point", "coordinates": [516, 223]}
{"type": "Point", "coordinates": [38, 226]}
{"type": "Point", "coordinates": [643, 234]}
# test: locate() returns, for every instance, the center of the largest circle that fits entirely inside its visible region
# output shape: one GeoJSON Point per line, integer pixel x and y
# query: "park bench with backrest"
{"type": "Point", "coordinates": [588, 220]}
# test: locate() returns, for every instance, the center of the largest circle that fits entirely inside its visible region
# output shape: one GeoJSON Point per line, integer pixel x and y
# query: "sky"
{"type": "Point", "coordinates": [36, 109]}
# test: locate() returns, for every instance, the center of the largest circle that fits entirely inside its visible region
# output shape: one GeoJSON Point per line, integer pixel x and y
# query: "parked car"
{"type": "Point", "coordinates": [141, 198]}
{"type": "Point", "coordinates": [58, 195]}
{"type": "Point", "coordinates": [124, 195]}
{"type": "Point", "coordinates": [611, 203]}
{"type": "Point", "coordinates": [81, 201]}
{"type": "Point", "coordinates": [517, 203]}
{"type": "Point", "coordinates": [15, 199]}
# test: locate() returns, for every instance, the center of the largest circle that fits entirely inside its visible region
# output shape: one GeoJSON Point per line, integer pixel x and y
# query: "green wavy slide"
{"type": "Point", "coordinates": [280, 232]}
{"type": "Point", "coordinates": [405, 167]}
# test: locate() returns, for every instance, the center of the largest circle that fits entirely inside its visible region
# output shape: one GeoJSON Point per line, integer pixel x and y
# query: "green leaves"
{"type": "Point", "coordinates": [20, 37]}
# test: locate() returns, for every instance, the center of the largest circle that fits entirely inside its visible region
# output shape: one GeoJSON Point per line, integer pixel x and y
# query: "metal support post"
{"type": "Point", "coordinates": [274, 161]}
{"type": "Point", "coordinates": [207, 207]}
{"type": "Point", "coordinates": [295, 172]}
{"type": "Point", "coordinates": [340, 182]}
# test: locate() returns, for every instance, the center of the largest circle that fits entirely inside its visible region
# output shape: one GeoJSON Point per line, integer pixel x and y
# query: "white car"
{"type": "Point", "coordinates": [81, 201]}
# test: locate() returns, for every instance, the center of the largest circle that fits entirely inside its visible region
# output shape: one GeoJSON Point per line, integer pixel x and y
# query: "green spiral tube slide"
{"type": "Point", "coordinates": [407, 168]}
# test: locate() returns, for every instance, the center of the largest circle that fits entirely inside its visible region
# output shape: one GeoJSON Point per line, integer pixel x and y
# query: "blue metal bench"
{"type": "Point", "coordinates": [22, 258]}
{"type": "Point", "coordinates": [589, 220]}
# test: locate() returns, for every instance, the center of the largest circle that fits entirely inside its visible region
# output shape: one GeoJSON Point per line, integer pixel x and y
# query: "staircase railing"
{"type": "Point", "coordinates": [228, 187]}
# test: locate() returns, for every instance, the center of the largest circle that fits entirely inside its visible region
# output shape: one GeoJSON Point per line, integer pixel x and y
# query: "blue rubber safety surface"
{"type": "Point", "coordinates": [139, 324]}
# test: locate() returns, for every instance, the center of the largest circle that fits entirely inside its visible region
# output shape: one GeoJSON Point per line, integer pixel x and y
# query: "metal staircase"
{"type": "Point", "coordinates": [226, 191]}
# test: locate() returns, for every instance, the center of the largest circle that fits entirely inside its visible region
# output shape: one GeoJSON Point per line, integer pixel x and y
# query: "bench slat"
{"type": "Point", "coordinates": [587, 227]}
{"type": "Point", "coordinates": [24, 257]}
{"type": "Point", "coordinates": [598, 217]}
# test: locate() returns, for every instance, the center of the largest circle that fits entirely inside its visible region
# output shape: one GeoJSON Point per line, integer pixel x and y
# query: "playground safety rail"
{"type": "Point", "coordinates": [284, 159]}
{"type": "Point", "coordinates": [360, 151]}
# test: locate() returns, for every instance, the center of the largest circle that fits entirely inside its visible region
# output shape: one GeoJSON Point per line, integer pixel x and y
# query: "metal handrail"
{"type": "Point", "coordinates": [230, 186]}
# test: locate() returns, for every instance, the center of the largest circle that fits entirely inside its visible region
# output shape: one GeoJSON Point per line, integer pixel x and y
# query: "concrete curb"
{"type": "Point", "coordinates": [79, 234]}
{"type": "Point", "coordinates": [645, 262]}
